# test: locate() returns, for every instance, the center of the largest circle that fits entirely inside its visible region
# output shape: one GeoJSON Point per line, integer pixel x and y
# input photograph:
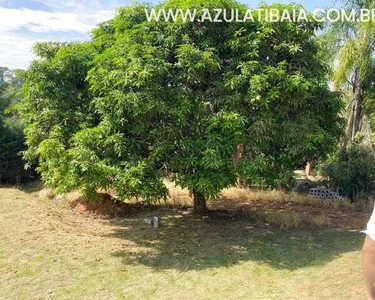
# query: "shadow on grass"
{"type": "Point", "coordinates": [184, 243]}
{"type": "Point", "coordinates": [32, 187]}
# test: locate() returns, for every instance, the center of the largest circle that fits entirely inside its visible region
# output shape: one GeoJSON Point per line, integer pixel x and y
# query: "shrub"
{"type": "Point", "coordinates": [352, 173]}
{"type": "Point", "coordinates": [12, 141]}
{"type": "Point", "coordinates": [11, 163]}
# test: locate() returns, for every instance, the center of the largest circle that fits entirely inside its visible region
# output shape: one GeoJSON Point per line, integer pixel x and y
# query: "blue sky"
{"type": "Point", "coordinates": [22, 22]}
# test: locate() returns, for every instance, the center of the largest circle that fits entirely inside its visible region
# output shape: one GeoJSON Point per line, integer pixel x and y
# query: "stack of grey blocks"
{"type": "Point", "coordinates": [325, 193]}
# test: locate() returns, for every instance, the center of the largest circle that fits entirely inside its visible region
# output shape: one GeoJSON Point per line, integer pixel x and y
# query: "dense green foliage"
{"type": "Point", "coordinates": [354, 174]}
{"type": "Point", "coordinates": [56, 104]}
{"type": "Point", "coordinates": [178, 97]}
{"type": "Point", "coordinates": [11, 137]}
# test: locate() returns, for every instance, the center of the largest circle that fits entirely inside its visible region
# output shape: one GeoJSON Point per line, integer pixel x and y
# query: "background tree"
{"type": "Point", "coordinates": [352, 46]}
{"type": "Point", "coordinates": [11, 138]}
{"type": "Point", "coordinates": [3, 74]}
{"type": "Point", "coordinates": [181, 96]}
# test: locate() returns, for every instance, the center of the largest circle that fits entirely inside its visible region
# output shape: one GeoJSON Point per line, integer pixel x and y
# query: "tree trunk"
{"type": "Point", "coordinates": [200, 207]}
{"type": "Point", "coordinates": [235, 158]}
{"type": "Point", "coordinates": [308, 168]}
{"type": "Point", "coordinates": [357, 113]}
{"type": "Point", "coordinates": [355, 119]}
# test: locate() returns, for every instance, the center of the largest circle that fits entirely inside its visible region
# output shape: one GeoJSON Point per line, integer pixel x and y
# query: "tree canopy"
{"type": "Point", "coordinates": [142, 98]}
{"type": "Point", "coordinates": [56, 104]}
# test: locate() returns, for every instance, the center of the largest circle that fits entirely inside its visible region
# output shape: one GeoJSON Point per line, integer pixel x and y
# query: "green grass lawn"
{"type": "Point", "coordinates": [48, 252]}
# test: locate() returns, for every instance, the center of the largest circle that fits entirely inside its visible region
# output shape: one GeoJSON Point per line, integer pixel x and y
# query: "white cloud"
{"type": "Point", "coordinates": [79, 5]}
{"type": "Point", "coordinates": [68, 20]}
{"type": "Point", "coordinates": [15, 52]}
{"type": "Point", "coordinates": [42, 21]}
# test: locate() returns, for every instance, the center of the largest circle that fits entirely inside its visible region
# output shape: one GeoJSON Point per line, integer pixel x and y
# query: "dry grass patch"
{"type": "Point", "coordinates": [178, 197]}
{"type": "Point", "coordinates": [262, 207]}
{"type": "Point", "coordinates": [290, 210]}
{"type": "Point", "coordinates": [280, 197]}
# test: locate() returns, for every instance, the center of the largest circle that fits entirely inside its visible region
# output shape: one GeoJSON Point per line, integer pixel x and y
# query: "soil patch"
{"type": "Point", "coordinates": [108, 207]}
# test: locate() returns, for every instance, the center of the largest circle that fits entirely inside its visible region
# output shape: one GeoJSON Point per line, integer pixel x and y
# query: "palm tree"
{"type": "Point", "coordinates": [352, 47]}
